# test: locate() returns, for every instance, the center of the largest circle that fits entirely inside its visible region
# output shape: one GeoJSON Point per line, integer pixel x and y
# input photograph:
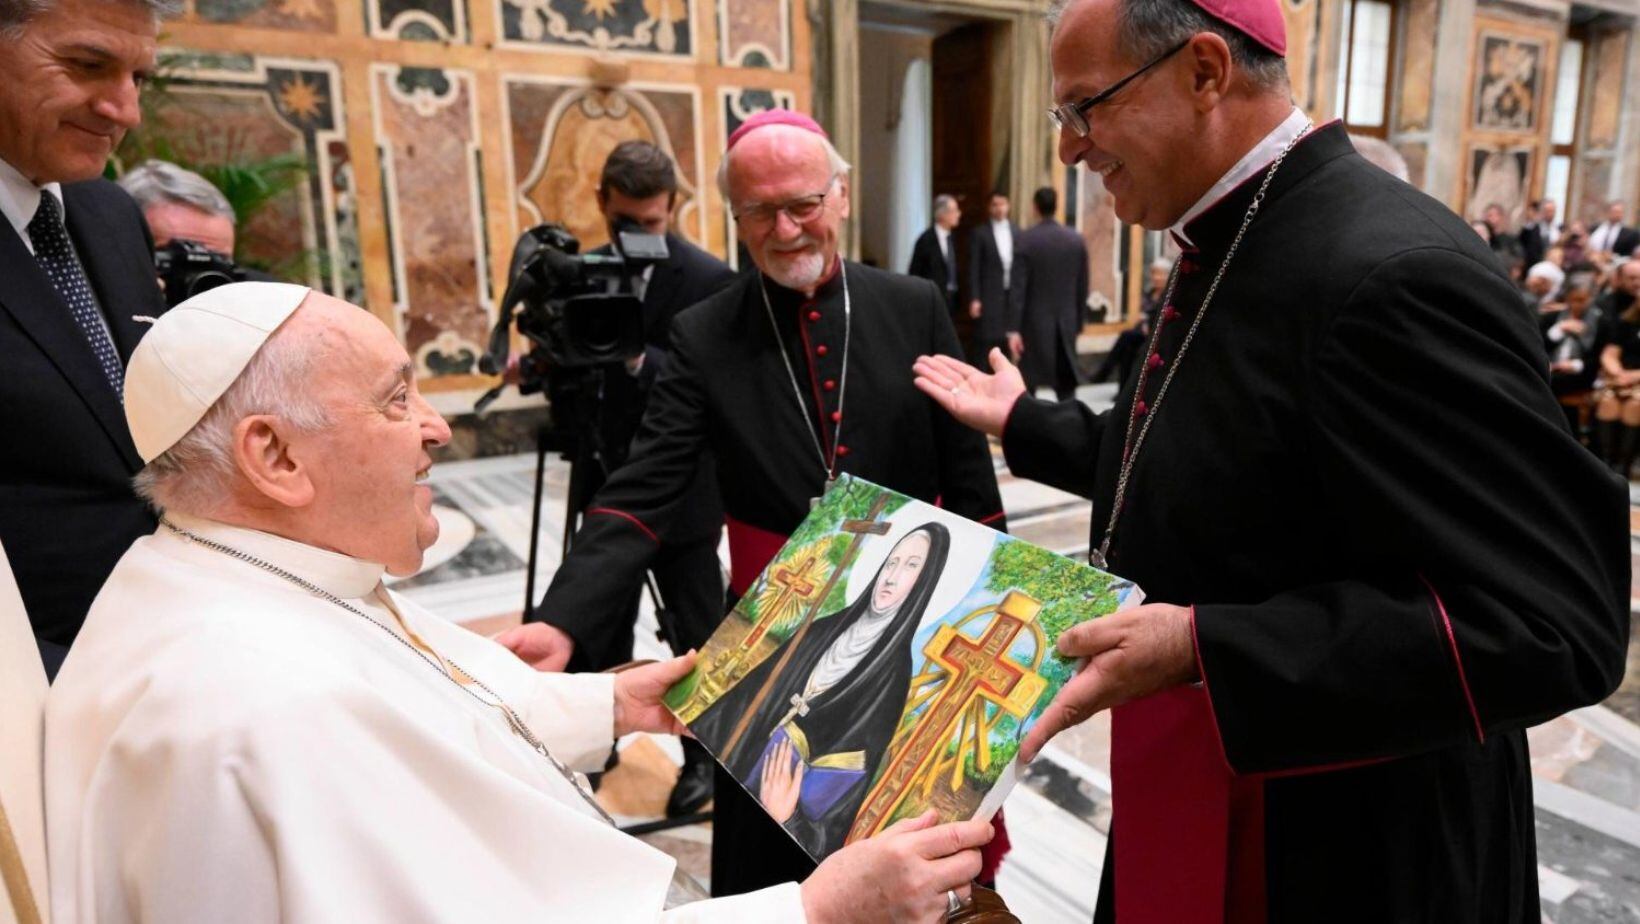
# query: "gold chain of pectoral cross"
{"type": "Point", "coordinates": [1099, 556]}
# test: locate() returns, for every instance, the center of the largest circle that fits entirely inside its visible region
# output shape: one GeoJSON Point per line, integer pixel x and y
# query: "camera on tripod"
{"type": "Point", "coordinates": [188, 268]}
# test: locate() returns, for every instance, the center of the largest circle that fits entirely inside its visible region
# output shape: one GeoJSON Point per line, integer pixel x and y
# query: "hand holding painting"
{"type": "Point", "coordinates": [1127, 656]}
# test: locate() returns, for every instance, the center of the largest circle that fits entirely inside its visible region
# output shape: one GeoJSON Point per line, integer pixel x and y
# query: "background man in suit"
{"type": "Point", "coordinates": [1612, 236]}
{"type": "Point", "coordinates": [78, 265]}
{"type": "Point", "coordinates": [639, 187]}
{"type": "Point", "coordinates": [1050, 288]}
{"type": "Point", "coordinates": [1539, 231]}
{"type": "Point", "coordinates": [990, 265]}
{"type": "Point", "coordinates": [932, 257]}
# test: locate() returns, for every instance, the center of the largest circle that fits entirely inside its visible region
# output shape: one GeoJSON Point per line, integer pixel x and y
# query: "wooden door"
{"type": "Point", "coordinates": [962, 69]}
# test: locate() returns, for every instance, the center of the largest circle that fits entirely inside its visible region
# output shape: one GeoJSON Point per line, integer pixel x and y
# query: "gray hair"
{"type": "Point", "coordinates": [944, 201]}
{"type": "Point", "coordinates": [1146, 29]}
{"type": "Point", "coordinates": [838, 165]}
{"type": "Point", "coordinates": [1163, 264]}
{"type": "Point", "coordinates": [157, 181]}
{"type": "Point", "coordinates": [16, 14]}
{"type": "Point", "coordinates": [1382, 154]}
{"type": "Point", "coordinates": [196, 475]}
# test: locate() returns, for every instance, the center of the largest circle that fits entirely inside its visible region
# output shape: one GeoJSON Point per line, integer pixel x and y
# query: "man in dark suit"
{"type": "Point", "coordinates": [990, 266]}
{"type": "Point", "coordinates": [1612, 236]}
{"type": "Point", "coordinates": [934, 257]}
{"type": "Point", "coordinates": [639, 188]}
{"type": "Point", "coordinates": [1049, 293]}
{"type": "Point", "coordinates": [78, 267]}
{"type": "Point", "coordinates": [1538, 231]}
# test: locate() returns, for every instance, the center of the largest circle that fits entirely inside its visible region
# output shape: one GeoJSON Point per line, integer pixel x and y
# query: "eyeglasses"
{"type": "Point", "coordinates": [1074, 116]}
{"type": "Point", "coordinates": [801, 210]}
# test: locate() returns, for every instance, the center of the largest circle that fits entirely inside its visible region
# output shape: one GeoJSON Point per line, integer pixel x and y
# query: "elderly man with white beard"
{"type": "Point", "coordinates": [791, 376]}
{"type": "Point", "coordinates": [252, 728]}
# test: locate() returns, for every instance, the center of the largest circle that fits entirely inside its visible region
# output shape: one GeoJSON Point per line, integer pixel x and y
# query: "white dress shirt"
{"type": "Point", "coordinates": [943, 235]}
{"type": "Point", "coordinates": [1255, 160]}
{"type": "Point", "coordinates": [1004, 235]}
{"type": "Point", "coordinates": [20, 199]}
{"type": "Point", "coordinates": [1605, 237]}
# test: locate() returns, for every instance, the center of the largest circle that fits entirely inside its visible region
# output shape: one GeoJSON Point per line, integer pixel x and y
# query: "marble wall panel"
{"type": "Point", "coordinates": [756, 33]}
{"type": "Point", "coordinates": [1100, 228]}
{"type": "Point", "coordinates": [1500, 172]}
{"type": "Point", "coordinates": [418, 20]}
{"type": "Point", "coordinates": [1593, 184]}
{"type": "Point", "coordinates": [1417, 65]}
{"type": "Point", "coordinates": [655, 27]}
{"type": "Point", "coordinates": [1302, 48]}
{"type": "Point", "coordinates": [738, 105]}
{"type": "Point", "coordinates": [226, 109]}
{"type": "Point", "coordinates": [295, 15]}
{"type": "Point", "coordinates": [1416, 154]}
{"type": "Point", "coordinates": [427, 132]}
{"type": "Point", "coordinates": [561, 133]}
{"type": "Point", "coordinates": [1606, 78]}
{"type": "Point", "coordinates": [1508, 90]}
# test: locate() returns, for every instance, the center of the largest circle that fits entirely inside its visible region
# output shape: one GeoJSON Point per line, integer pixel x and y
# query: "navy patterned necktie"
{"type": "Point", "coordinates": [56, 256]}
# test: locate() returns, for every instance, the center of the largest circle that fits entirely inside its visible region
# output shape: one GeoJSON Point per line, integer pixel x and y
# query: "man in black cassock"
{"type": "Point", "coordinates": [1373, 550]}
{"type": "Point", "coordinates": [852, 676]}
{"type": "Point", "coordinates": [790, 376]}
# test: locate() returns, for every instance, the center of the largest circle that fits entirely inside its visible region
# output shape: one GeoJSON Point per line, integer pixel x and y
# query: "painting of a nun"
{"type": "Point", "coordinates": [814, 741]}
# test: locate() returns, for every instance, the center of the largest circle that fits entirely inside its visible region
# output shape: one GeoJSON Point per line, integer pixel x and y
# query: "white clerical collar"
{"type": "Point", "coordinates": [20, 199]}
{"type": "Point", "coordinates": [335, 573]}
{"type": "Point", "coordinates": [1252, 162]}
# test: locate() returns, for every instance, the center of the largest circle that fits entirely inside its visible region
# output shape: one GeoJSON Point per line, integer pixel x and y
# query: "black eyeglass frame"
{"type": "Point", "coordinates": [1074, 115]}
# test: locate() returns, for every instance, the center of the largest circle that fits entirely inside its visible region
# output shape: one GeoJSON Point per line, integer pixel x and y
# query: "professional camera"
{"type": "Point", "coordinates": [577, 310]}
{"type": "Point", "coordinates": [188, 268]}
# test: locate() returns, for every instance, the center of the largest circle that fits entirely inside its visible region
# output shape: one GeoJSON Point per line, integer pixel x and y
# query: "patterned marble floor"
{"type": "Point", "coordinates": [1586, 764]}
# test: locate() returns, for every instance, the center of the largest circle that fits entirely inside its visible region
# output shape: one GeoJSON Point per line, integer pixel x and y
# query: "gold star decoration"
{"type": "Point", "coordinates": [599, 8]}
{"type": "Point", "coordinates": [301, 99]}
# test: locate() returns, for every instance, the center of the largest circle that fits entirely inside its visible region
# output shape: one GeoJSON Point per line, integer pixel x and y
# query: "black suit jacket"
{"type": "Point", "coordinates": [688, 275]}
{"type": "Point", "coordinates": [985, 282]}
{"type": "Point", "coordinates": [1535, 243]}
{"type": "Point", "coordinates": [67, 511]}
{"type": "Point", "coordinates": [1049, 293]}
{"type": "Point", "coordinates": [928, 262]}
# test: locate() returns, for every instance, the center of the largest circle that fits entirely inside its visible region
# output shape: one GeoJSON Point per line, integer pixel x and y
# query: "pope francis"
{"type": "Point", "coordinates": [251, 728]}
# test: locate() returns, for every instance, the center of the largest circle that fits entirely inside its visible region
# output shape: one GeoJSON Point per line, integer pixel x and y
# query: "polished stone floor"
{"type": "Point", "coordinates": [1586, 765]}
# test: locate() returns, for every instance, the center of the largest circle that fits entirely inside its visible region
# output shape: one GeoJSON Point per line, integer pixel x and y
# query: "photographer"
{"type": "Point", "coordinates": [183, 207]}
{"type": "Point", "coordinates": [639, 188]}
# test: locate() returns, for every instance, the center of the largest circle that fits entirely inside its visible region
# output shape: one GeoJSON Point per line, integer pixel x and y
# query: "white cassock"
{"type": "Point", "coordinates": [223, 745]}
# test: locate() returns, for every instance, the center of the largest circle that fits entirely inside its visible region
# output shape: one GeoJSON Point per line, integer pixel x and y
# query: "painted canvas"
{"type": "Point", "coordinates": [889, 660]}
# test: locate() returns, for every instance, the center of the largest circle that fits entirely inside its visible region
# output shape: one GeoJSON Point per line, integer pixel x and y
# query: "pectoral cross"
{"type": "Point", "coordinates": [800, 708]}
{"type": "Point", "coordinates": [870, 525]}
{"type": "Point", "coordinates": [978, 673]}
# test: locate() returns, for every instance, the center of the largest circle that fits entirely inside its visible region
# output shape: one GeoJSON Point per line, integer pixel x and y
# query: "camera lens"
{"type": "Point", "coordinates": [205, 280]}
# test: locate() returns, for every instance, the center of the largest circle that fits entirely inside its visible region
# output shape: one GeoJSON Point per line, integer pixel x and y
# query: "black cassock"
{"type": "Point", "coordinates": [1398, 556]}
{"type": "Point", "coordinates": [846, 729]}
{"type": "Point", "coordinates": [727, 389]}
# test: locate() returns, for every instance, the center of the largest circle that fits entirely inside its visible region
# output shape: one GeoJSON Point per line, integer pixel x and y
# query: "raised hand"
{"type": "Point", "coordinates": [976, 399]}
{"type": "Point", "coordinates": [541, 646]}
{"type": "Point", "coordinates": [901, 874]}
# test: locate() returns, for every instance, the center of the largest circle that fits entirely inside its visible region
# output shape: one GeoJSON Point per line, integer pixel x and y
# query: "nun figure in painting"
{"type": "Point", "coordinates": [810, 750]}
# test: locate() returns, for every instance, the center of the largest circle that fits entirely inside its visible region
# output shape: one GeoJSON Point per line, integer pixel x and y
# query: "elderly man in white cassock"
{"type": "Point", "coordinates": [251, 728]}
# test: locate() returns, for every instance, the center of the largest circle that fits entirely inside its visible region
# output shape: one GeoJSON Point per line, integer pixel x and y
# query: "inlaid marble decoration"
{"type": "Point", "coordinates": [418, 20]}
{"type": "Point", "coordinates": [225, 109]}
{"type": "Point", "coordinates": [1417, 65]}
{"type": "Point", "coordinates": [1100, 231]}
{"type": "Point", "coordinates": [296, 15]}
{"type": "Point", "coordinates": [1508, 82]}
{"type": "Point", "coordinates": [427, 131]}
{"type": "Point", "coordinates": [756, 33]}
{"type": "Point", "coordinates": [560, 133]}
{"type": "Point", "coordinates": [738, 106]}
{"type": "Point", "coordinates": [1301, 48]}
{"type": "Point", "coordinates": [657, 27]}
{"type": "Point", "coordinates": [1499, 175]}
{"type": "Point", "coordinates": [1606, 105]}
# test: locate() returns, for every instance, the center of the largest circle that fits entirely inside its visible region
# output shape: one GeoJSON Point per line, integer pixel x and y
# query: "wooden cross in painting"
{"type": "Point", "coordinates": [869, 525]}
{"type": "Point", "coordinates": [795, 587]}
{"type": "Point", "coordinates": [978, 674]}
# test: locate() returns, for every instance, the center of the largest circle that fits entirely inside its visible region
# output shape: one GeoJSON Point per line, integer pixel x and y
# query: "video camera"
{"type": "Point", "coordinates": [577, 310]}
{"type": "Point", "coordinates": [188, 268]}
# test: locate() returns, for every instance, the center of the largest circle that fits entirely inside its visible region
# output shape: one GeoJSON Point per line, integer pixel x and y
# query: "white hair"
{"type": "Point", "coordinates": [838, 165]}
{"type": "Point", "coordinates": [1382, 154]}
{"type": "Point", "coordinates": [1163, 264]}
{"type": "Point", "coordinates": [155, 181]}
{"type": "Point", "coordinates": [195, 476]}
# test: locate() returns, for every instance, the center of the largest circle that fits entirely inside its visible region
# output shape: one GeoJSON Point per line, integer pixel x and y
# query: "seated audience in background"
{"type": "Point", "coordinates": [1574, 244]}
{"type": "Point", "coordinates": [1501, 237]}
{"type": "Point", "coordinates": [1617, 413]}
{"type": "Point", "coordinates": [1131, 342]}
{"type": "Point", "coordinates": [1572, 335]}
{"type": "Point", "coordinates": [1483, 229]}
{"type": "Point", "coordinates": [252, 728]}
{"type": "Point", "coordinates": [1622, 292]}
{"type": "Point", "coordinates": [1542, 285]}
{"type": "Point", "coordinates": [1612, 235]}
{"type": "Point", "coordinates": [1538, 230]}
